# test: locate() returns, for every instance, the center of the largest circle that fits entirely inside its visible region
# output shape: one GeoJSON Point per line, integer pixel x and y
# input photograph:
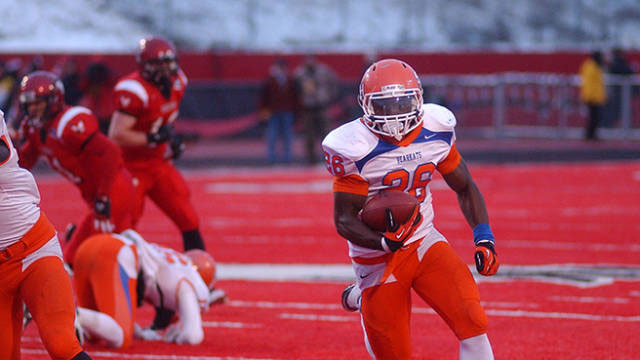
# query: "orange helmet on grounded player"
{"type": "Point", "coordinates": [391, 98]}
{"type": "Point", "coordinates": [41, 97]}
{"type": "Point", "coordinates": [158, 60]}
{"type": "Point", "coordinates": [204, 264]}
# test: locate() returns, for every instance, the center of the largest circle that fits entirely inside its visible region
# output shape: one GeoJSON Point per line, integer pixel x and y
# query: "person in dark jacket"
{"type": "Point", "coordinates": [277, 106]}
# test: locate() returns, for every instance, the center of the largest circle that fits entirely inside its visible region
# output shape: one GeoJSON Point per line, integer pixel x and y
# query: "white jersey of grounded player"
{"type": "Point", "coordinates": [352, 149]}
{"type": "Point", "coordinates": [19, 195]}
{"type": "Point", "coordinates": [164, 271]}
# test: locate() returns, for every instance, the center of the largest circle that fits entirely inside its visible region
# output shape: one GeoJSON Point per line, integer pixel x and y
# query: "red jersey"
{"type": "Point", "coordinates": [140, 98]}
{"type": "Point", "coordinates": [64, 144]}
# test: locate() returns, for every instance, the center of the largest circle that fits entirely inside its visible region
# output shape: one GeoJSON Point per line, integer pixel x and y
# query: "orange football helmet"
{"type": "Point", "coordinates": [391, 98]}
{"type": "Point", "coordinates": [37, 86]}
{"type": "Point", "coordinates": [204, 264]}
{"type": "Point", "coordinates": [158, 59]}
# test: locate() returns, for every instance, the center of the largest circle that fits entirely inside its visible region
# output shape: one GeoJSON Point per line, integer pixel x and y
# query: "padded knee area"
{"type": "Point", "coordinates": [476, 322]}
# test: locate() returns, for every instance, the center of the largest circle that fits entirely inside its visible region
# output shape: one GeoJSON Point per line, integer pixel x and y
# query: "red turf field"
{"type": "Point", "coordinates": [569, 215]}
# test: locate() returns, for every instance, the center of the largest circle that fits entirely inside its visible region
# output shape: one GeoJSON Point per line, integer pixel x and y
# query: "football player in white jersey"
{"type": "Point", "coordinates": [179, 286]}
{"type": "Point", "coordinates": [31, 267]}
{"type": "Point", "coordinates": [398, 144]}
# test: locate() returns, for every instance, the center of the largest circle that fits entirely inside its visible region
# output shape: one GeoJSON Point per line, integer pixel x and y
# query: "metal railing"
{"type": "Point", "coordinates": [534, 105]}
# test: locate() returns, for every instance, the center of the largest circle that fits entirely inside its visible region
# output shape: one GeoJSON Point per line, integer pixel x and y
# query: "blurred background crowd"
{"type": "Point", "coordinates": [289, 71]}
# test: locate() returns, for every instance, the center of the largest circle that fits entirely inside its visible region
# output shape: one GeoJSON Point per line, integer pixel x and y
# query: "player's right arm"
{"type": "Point", "coordinates": [348, 224]}
{"type": "Point", "coordinates": [122, 130]}
{"type": "Point", "coordinates": [28, 155]}
{"type": "Point", "coordinates": [5, 152]}
{"type": "Point", "coordinates": [188, 330]}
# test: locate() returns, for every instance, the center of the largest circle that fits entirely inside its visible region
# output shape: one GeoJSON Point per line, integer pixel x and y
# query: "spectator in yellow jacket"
{"type": "Point", "coordinates": [592, 91]}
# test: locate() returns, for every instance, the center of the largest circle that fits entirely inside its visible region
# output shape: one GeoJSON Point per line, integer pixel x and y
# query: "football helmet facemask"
{"type": "Point", "coordinates": [36, 87]}
{"type": "Point", "coordinates": [391, 98]}
{"type": "Point", "coordinates": [204, 265]}
{"type": "Point", "coordinates": [158, 60]}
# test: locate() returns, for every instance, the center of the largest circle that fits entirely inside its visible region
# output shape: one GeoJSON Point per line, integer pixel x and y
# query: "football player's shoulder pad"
{"type": "Point", "coordinates": [131, 86]}
{"type": "Point", "coordinates": [352, 140]}
{"type": "Point", "coordinates": [438, 118]}
{"type": "Point", "coordinates": [76, 120]}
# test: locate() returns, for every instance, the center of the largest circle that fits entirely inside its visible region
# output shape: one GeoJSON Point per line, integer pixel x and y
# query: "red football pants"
{"type": "Point", "coordinates": [442, 280]}
{"type": "Point", "coordinates": [122, 206]}
{"type": "Point", "coordinates": [166, 187]}
{"type": "Point", "coordinates": [101, 283]}
{"type": "Point", "coordinates": [45, 288]}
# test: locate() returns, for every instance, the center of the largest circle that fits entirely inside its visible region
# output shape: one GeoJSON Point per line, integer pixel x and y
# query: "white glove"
{"type": "Point", "coordinates": [145, 334]}
{"type": "Point", "coordinates": [173, 332]}
{"type": "Point", "coordinates": [103, 225]}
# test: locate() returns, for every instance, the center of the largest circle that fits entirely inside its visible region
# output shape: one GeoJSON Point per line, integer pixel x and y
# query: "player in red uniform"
{"type": "Point", "coordinates": [147, 103]}
{"type": "Point", "coordinates": [69, 139]}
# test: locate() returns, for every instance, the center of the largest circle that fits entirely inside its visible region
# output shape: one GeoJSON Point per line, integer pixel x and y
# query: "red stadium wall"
{"type": "Point", "coordinates": [254, 66]}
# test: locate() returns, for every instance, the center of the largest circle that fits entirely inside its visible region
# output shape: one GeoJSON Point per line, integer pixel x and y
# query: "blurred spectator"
{"type": "Point", "coordinates": [317, 88]}
{"type": "Point", "coordinates": [592, 91]}
{"type": "Point", "coordinates": [277, 106]}
{"type": "Point", "coordinates": [9, 80]}
{"type": "Point", "coordinates": [37, 63]}
{"type": "Point", "coordinates": [97, 87]}
{"type": "Point", "coordinates": [71, 80]}
{"type": "Point", "coordinates": [10, 76]}
{"type": "Point", "coordinates": [619, 66]}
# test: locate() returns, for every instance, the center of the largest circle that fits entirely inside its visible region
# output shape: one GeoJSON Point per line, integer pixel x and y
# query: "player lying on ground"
{"type": "Point", "coordinates": [115, 273]}
{"type": "Point", "coordinates": [398, 144]}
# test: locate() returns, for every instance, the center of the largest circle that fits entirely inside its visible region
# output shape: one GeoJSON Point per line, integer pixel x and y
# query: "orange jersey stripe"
{"type": "Point", "coordinates": [451, 162]}
{"type": "Point", "coordinates": [352, 184]}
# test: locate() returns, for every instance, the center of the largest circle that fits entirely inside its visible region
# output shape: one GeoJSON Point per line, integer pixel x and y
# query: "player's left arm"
{"type": "Point", "coordinates": [99, 156]}
{"type": "Point", "coordinates": [188, 329]}
{"type": "Point", "coordinates": [474, 209]}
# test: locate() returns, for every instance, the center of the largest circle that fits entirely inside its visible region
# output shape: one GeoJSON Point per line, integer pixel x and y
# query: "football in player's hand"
{"type": "Point", "coordinates": [400, 203]}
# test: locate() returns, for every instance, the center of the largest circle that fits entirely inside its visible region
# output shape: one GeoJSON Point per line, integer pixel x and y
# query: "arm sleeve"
{"type": "Point", "coordinates": [103, 159]}
{"type": "Point", "coordinates": [27, 155]}
{"type": "Point", "coordinates": [353, 184]}
{"type": "Point", "coordinates": [450, 162]}
{"type": "Point", "coordinates": [127, 101]}
{"type": "Point", "coordinates": [189, 312]}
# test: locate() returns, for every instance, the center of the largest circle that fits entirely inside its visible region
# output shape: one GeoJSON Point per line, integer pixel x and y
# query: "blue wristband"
{"type": "Point", "coordinates": [482, 232]}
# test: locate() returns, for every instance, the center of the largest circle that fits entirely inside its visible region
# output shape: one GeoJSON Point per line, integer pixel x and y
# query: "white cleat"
{"type": "Point", "coordinates": [80, 333]}
{"type": "Point", "coordinates": [351, 297]}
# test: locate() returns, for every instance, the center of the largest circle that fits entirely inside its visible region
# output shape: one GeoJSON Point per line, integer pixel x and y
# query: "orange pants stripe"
{"type": "Point", "coordinates": [442, 280]}
{"type": "Point", "coordinates": [101, 283]}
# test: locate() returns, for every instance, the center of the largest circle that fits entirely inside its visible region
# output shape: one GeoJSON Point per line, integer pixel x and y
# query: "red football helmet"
{"type": "Point", "coordinates": [158, 60]}
{"type": "Point", "coordinates": [391, 98]}
{"type": "Point", "coordinates": [204, 264]}
{"type": "Point", "coordinates": [38, 86]}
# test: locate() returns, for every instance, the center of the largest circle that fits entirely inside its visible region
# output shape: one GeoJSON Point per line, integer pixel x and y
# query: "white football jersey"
{"type": "Point", "coordinates": [164, 271]}
{"type": "Point", "coordinates": [19, 196]}
{"type": "Point", "coordinates": [352, 149]}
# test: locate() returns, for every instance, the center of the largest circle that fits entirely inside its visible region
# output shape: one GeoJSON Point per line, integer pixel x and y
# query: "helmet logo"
{"type": "Point", "coordinates": [392, 87]}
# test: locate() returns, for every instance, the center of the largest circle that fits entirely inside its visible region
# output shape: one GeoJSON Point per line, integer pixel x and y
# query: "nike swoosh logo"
{"type": "Point", "coordinates": [429, 137]}
{"type": "Point", "coordinates": [398, 236]}
{"type": "Point", "coordinates": [362, 276]}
